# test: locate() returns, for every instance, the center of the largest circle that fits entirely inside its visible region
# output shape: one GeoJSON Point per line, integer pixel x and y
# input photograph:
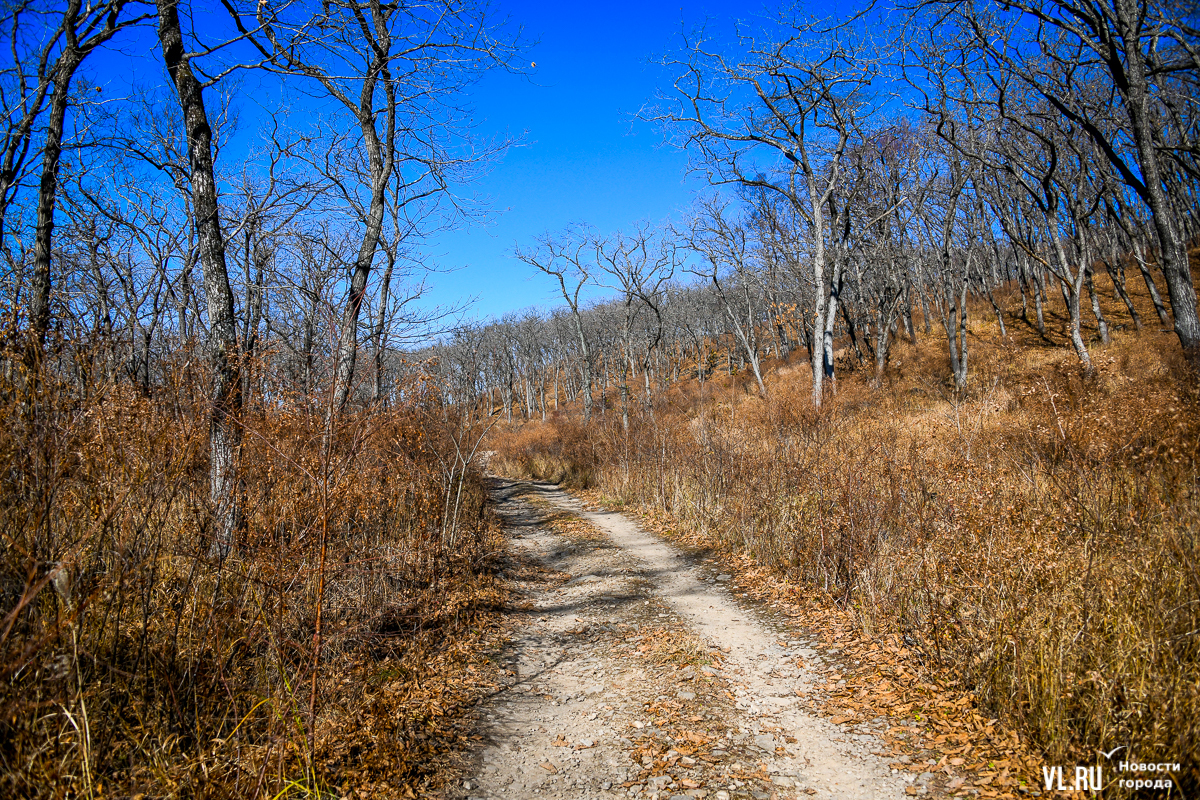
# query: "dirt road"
{"type": "Point", "coordinates": [634, 673]}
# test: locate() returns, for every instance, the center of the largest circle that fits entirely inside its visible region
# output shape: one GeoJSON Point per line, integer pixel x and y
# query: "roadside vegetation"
{"type": "Point", "coordinates": [243, 552]}
{"type": "Point", "coordinates": [927, 345]}
{"type": "Point", "coordinates": [333, 650]}
{"type": "Point", "coordinates": [1034, 535]}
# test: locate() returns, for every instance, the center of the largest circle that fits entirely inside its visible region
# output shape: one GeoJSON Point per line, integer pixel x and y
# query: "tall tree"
{"type": "Point", "coordinates": [1144, 59]}
{"type": "Point", "coordinates": [398, 71]}
{"type": "Point", "coordinates": [48, 72]}
{"type": "Point", "coordinates": [777, 113]}
{"type": "Point", "coordinates": [225, 429]}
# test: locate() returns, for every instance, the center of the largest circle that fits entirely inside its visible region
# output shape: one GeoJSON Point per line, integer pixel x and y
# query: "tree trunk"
{"type": "Point", "coordinates": [1039, 291]}
{"type": "Point", "coordinates": [225, 431]}
{"type": "Point", "coordinates": [1071, 292]}
{"type": "Point", "coordinates": [1116, 272]}
{"type": "Point", "coordinates": [1151, 286]}
{"type": "Point", "coordinates": [377, 334]}
{"type": "Point", "coordinates": [816, 349]}
{"type": "Point", "coordinates": [39, 300]}
{"type": "Point", "coordinates": [381, 156]}
{"type": "Point", "coordinates": [999, 315]}
{"type": "Point", "coordinates": [1101, 323]}
{"type": "Point", "coordinates": [1173, 255]}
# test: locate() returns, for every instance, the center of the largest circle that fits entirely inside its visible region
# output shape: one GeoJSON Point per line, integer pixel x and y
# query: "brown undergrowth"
{"type": "Point", "coordinates": [136, 664]}
{"type": "Point", "coordinates": [1035, 538]}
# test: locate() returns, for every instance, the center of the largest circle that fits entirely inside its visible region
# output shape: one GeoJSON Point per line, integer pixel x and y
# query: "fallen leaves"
{"type": "Point", "coordinates": [884, 678]}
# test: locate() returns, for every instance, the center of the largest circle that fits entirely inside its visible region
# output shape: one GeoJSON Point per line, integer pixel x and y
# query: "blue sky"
{"type": "Point", "coordinates": [584, 155]}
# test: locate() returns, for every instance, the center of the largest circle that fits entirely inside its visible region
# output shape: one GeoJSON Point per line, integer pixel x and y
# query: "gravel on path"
{"type": "Point", "coordinates": [632, 673]}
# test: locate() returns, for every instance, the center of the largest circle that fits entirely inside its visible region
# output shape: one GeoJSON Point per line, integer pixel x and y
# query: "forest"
{"type": "Point", "coordinates": [925, 349]}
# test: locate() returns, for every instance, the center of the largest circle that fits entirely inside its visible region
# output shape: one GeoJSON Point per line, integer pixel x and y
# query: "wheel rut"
{"type": "Point", "coordinates": [630, 672]}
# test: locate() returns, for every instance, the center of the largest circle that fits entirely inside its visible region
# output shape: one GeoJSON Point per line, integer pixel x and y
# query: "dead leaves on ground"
{"type": "Point", "coordinates": [398, 735]}
{"type": "Point", "coordinates": [929, 718]}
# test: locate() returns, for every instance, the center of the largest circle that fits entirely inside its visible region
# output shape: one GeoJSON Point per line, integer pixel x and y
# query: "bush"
{"type": "Point", "coordinates": [1037, 535]}
{"type": "Point", "coordinates": [133, 662]}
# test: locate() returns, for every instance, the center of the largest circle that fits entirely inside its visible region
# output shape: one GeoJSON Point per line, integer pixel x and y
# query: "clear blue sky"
{"type": "Point", "coordinates": [584, 156]}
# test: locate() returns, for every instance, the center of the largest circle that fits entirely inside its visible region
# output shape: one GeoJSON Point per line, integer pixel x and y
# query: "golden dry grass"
{"type": "Point", "coordinates": [1037, 535]}
{"type": "Point", "coordinates": [134, 663]}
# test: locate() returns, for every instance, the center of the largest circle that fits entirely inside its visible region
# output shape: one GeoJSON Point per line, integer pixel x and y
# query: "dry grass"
{"type": "Point", "coordinates": [1037, 535]}
{"type": "Point", "coordinates": [133, 663]}
{"type": "Point", "coordinates": [560, 452]}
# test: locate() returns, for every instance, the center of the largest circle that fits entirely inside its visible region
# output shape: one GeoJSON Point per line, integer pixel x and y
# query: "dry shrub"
{"type": "Point", "coordinates": [1038, 534]}
{"type": "Point", "coordinates": [135, 663]}
{"type": "Point", "coordinates": [558, 450]}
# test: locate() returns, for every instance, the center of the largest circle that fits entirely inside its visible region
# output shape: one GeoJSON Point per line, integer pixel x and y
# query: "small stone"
{"type": "Point", "coordinates": [925, 777]}
{"type": "Point", "coordinates": [687, 695]}
{"type": "Point", "coordinates": [606, 785]}
{"type": "Point", "coordinates": [467, 785]}
{"type": "Point", "coordinates": [724, 577]}
{"type": "Point", "coordinates": [765, 741]}
{"type": "Point", "coordinates": [722, 795]}
{"type": "Point", "coordinates": [781, 780]}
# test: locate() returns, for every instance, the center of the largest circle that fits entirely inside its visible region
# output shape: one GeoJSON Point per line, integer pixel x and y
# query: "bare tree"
{"type": "Point", "coordinates": [564, 258]}
{"type": "Point", "coordinates": [640, 266]}
{"type": "Point", "coordinates": [725, 250]}
{"type": "Point", "coordinates": [795, 95]}
{"type": "Point", "coordinates": [1144, 59]}
{"type": "Point", "coordinates": [48, 72]}
{"type": "Point", "coordinates": [225, 431]}
{"type": "Point", "coordinates": [397, 71]}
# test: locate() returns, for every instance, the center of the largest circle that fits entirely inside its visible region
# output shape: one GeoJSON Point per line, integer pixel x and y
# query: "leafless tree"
{"type": "Point", "coordinates": [640, 267]}
{"type": "Point", "coordinates": [566, 257]}
{"type": "Point", "coordinates": [70, 34]}
{"type": "Point", "coordinates": [725, 254]}
{"type": "Point", "coordinates": [397, 72]}
{"type": "Point", "coordinates": [225, 431]}
{"type": "Point", "coordinates": [776, 112]}
{"type": "Point", "coordinates": [1083, 59]}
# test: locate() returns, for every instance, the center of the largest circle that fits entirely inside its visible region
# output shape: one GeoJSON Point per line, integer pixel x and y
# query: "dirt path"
{"type": "Point", "coordinates": [633, 673]}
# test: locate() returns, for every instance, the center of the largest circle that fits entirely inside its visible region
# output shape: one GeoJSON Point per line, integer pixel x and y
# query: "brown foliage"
{"type": "Point", "coordinates": [1034, 537]}
{"type": "Point", "coordinates": [132, 662]}
{"type": "Point", "coordinates": [559, 451]}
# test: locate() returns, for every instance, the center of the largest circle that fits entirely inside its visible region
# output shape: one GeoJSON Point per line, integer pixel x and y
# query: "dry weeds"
{"type": "Point", "coordinates": [1036, 538]}
{"type": "Point", "coordinates": [135, 664]}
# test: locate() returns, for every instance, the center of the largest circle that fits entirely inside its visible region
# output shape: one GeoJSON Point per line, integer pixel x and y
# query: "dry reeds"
{"type": "Point", "coordinates": [1037, 535]}
{"type": "Point", "coordinates": [135, 663]}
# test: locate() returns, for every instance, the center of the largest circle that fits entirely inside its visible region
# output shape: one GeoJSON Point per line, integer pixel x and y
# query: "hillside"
{"type": "Point", "coordinates": [1032, 538]}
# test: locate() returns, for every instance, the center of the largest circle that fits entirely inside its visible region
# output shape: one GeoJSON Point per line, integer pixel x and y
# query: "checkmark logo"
{"type": "Point", "coordinates": [1109, 754]}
